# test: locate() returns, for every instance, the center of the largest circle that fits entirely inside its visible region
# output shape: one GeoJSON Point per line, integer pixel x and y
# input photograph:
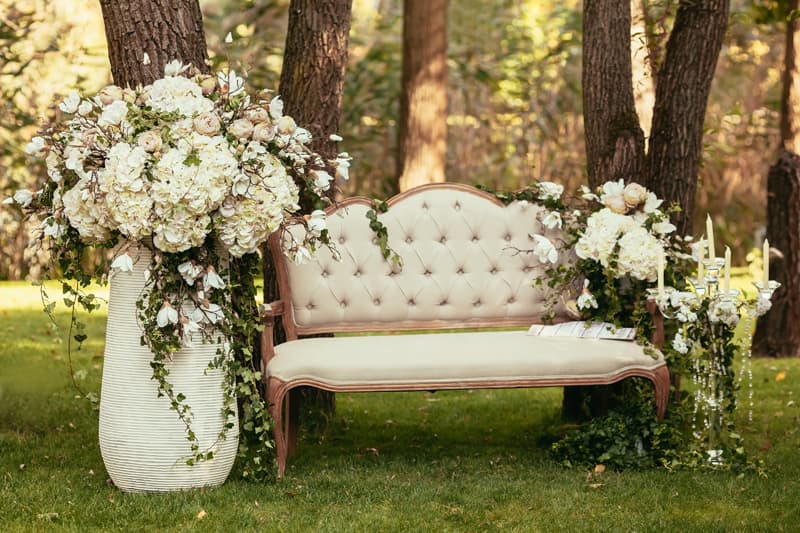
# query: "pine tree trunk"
{"type": "Point", "coordinates": [682, 89]}
{"type": "Point", "coordinates": [422, 130]}
{"type": "Point", "coordinates": [164, 29]}
{"type": "Point", "coordinates": [778, 332]}
{"type": "Point", "coordinates": [311, 86]}
{"type": "Point", "coordinates": [614, 140]}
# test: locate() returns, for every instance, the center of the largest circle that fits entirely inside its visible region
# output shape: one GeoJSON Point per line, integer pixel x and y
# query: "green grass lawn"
{"type": "Point", "coordinates": [449, 461]}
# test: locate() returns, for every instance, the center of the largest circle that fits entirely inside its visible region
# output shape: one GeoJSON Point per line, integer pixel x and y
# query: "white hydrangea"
{"type": "Point", "coordinates": [176, 93]}
{"type": "Point", "coordinates": [603, 229]}
{"type": "Point", "coordinates": [638, 254]}
{"type": "Point", "coordinates": [85, 213]}
{"type": "Point", "coordinates": [180, 230]}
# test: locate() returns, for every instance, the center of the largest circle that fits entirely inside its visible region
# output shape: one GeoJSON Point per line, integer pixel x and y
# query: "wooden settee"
{"type": "Point", "coordinates": [461, 269]}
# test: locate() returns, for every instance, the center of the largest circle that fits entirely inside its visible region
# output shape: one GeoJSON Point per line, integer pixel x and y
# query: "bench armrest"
{"type": "Point", "coordinates": [268, 313]}
{"type": "Point", "coordinates": [658, 323]}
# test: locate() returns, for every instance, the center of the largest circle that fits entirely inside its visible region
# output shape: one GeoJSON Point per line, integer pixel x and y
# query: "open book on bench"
{"type": "Point", "coordinates": [587, 330]}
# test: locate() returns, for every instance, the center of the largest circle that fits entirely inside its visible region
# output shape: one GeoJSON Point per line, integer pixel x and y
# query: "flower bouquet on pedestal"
{"type": "Point", "coordinates": [178, 178]}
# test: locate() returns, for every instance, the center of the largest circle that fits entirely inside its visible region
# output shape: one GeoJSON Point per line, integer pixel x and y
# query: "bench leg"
{"type": "Point", "coordinates": [276, 393]}
{"type": "Point", "coordinates": [293, 401]}
{"type": "Point", "coordinates": [661, 383]}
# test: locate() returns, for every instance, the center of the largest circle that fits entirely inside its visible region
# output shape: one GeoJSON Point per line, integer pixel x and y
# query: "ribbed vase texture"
{"type": "Point", "coordinates": [142, 441]}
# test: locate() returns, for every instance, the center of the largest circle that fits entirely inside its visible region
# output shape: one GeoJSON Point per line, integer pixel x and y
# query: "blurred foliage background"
{"type": "Point", "coordinates": [515, 95]}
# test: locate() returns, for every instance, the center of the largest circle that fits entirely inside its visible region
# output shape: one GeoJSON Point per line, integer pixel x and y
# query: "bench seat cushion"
{"type": "Point", "coordinates": [454, 357]}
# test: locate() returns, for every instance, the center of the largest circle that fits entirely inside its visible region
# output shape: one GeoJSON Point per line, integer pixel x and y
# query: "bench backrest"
{"type": "Point", "coordinates": [461, 266]}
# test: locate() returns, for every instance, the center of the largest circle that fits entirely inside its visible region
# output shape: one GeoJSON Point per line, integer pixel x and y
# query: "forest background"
{"type": "Point", "coordinates": [514, 95]}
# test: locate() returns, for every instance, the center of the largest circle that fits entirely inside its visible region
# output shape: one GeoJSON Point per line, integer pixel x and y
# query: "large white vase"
{"type": "Point", "coordinates": [142, 441]}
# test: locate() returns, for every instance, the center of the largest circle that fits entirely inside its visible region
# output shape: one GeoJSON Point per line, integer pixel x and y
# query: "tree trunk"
{"type": "Point", "coordinates": [311, 86]}
{"type": "Point", "coordinates": [164, 29]}
{"type": "Point", "coordinates": [684, 82]}
{"type": "Point", "coordinates": [422, 130]}
{"type": "Point", "coordinates": [314, 60]}
{"type": "Point", "coordinates": [614, 140]}
{"type": "Point", "coordinates": [778, 332]}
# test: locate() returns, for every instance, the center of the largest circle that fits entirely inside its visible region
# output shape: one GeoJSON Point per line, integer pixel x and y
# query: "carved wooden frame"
{"type": "Point", "coordinates": [285, 430]}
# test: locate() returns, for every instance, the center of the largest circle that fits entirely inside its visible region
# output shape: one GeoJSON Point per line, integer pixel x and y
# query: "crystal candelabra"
{"type": "Point", "coordinates": [710, 368]}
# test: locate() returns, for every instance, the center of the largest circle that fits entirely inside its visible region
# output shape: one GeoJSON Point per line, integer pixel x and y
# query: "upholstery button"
{"type": "Point", "coordinates": [341, 240]}
{"type": "Point", "coordinates": [343, 304]}
{"type": "Point", "coordinates": [508, 237]}
{"type": "Point", "coordinates": [376, 301]}
{"type": "Point", "coordinates": [411, 302]}
{"type": "Point", "coordinates": [526, 269]}
{"type": "Point", "coordinates": [310, 307]}
{"type": "Point", "coordinates": [409, 240]}
{"type": "Point", "coordinates": [424, 205]}
{"type": "Point", "coordinates": [374, 241]}
{"type": "Point", "coordinates": [457, 206]}
{"type": "Point", "coordinates": [493, 270]}
{"type": "Point", "coordinates": [460, 271]}
{"type": "Point", "coordinates": [443, 302]}
{"type": "Point", "coordinates": [427, 272]}
{"type": "Point", "coordinates": [477, 303]}
{"type": "Point", "coordinates": [357, 273]}
{"type": "Point", "coordinates": [474, 238]}
{"type": "Point", "coordinates": [443, 240]}
{"type": "Point", "coordinates": [511, 300]}
{"type": "Point", "coordinates": [324, 273]}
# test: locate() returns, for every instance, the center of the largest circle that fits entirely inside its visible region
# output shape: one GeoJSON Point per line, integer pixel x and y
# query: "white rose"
{"type": "Point", "coordinates": [634, 194]}
{"type": "Point", "coordinates": [241, 128]}
{"type": "Point", "coordinates": [286, 125]}
{"type": "Point", "coordinates": [174, 68]}
{"type": "Point", "coordinates": [70, 103]}
{"type": "Point", "coordinates": [652, 203]}
{"type": "Point", "coordinates": [256, 114]}
{"type": "Point", "coordinates": [544, 250]}
{"type": "Point", "coordinates": [616, 204]}
{"type": "Point", "coordinates": [206, 123]}
{"type": "Point", "coordinates": [263, 132]}
{"type": "Point", "coordinates": [552, 220]}
{"type": "Point", "coordinates": [109, 94]}
{"type": "Point", "coordinates": [150, 141]}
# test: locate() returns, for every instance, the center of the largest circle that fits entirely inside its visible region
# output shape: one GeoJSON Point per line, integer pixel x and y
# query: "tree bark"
{"type": "Point", "coordinates": [778, 332]}
{"type": "Point", "coordinates": [684, 82]}
{"type": "Point", "coordinates": [311, 86]}
{"type": "Point", "coordinates": [314, 60]}
{"type": "Point", "coordinates": [422, 129]}
{"type": "Point", "coordinates": [164, 29]}
{"type": "Point", "coordinates": [614, 140]}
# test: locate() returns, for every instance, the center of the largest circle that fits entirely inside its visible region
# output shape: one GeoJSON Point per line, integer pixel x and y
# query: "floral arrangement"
{"type": "Point", "coordinates": [196, 169]}
{"type": "Point", "coordinates": [615, 245]}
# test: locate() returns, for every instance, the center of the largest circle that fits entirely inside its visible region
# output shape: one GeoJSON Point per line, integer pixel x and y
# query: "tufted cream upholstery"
{"type": "Point", "coordinates": [459, 265]}
{"type": "Point", "coordinates": [454, 357]}
{"type": "Point", "coordinates": [461, 269]}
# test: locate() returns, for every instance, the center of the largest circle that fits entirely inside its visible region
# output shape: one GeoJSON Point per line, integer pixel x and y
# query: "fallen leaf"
{"type": "Point", "coordinates": [599, 469]}
{"type": "Point", "coordinates": [202, 514]}
{"type": "Point", "coordinates": [373, 451]}
{"type": "Point", "coordinates": [780, 376]}
{"type": "Point", "coordinates": [595, 485]}
{"type": "Point", "coordinates": [766, 446]}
